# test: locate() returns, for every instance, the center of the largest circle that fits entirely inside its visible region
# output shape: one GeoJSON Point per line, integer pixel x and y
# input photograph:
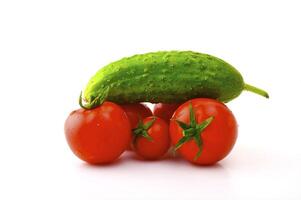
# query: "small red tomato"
{"type": "Point", "coordinates": [135, 112]}
{"type": "Point", "coordinates": [151, 138]}
{"type": "Point", "coordinates": [99, 135]}
{"type": "Point", "coordinates": [165, 111]}
{"type": "Point", "coordinates": [203, 131]}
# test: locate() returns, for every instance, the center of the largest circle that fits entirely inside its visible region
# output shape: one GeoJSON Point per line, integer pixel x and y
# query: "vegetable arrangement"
{"type": "Point", "coordinates": [190, 90]}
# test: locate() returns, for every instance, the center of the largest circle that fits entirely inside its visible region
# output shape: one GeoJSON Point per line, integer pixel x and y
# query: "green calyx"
{"type": "Point", "coordinates": [193, 131]}
{"type": "Point", "coordinates": [141, 130]}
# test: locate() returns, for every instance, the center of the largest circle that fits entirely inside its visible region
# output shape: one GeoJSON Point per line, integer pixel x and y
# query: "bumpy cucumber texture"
{"type": "Point", "coordinates": [166, 77]}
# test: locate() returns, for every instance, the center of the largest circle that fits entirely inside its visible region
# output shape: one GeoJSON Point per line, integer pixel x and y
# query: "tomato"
{"type": "Point", "coordinates": [165, 111]}
{"type": "Point", "coordinates": [203, 131]}
{"type": "Point", "coordinates": [99, 135]}
{"type": "Point", "coordinates": [135, 112]}
{"type": "Point", "coordinates": [151, 138]}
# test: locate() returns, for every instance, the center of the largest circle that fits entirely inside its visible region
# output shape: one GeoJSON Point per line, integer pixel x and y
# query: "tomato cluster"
{"type": "Point", "coordinates": [203, 131]}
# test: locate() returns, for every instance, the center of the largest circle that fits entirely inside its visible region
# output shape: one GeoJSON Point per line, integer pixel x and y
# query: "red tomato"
{"type": "Point", "coordinates": [151, 138]}
{"type": "Point", "coordinates": [136, 111]}
{"type": "Point", "coordinates": [165, 111]}
{"type": "Point", "coordinates": [99, 135]}
{"type": "Point", "coordinates": [208, 140]}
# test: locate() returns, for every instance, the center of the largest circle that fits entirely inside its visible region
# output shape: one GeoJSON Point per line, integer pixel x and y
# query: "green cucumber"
{"type": "Point", "coordinates": [166, 77]}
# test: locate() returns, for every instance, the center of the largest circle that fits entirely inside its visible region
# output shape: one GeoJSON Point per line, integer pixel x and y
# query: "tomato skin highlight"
{"type": "Point", "coordinates": [165, 111]}
{"type": "Point", "coordinates": [218, 138]}
{"type": "Point", "coordinates": [100, 135]}
{"type": "Point", "coordinates": [157, 148]}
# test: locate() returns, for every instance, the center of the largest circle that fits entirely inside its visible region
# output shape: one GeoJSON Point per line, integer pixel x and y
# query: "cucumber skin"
{"type": "Point", "coordinates": [166, 77]}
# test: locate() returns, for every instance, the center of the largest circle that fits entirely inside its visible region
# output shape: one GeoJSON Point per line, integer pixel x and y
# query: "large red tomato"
{"type": "Point", "coordinates": [99, 135]}
{"type": "Point", "coordinates": [203, 131]}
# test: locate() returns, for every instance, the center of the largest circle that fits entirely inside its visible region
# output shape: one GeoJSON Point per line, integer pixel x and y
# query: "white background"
{"type": "Point", "coordinates": [49, 50]}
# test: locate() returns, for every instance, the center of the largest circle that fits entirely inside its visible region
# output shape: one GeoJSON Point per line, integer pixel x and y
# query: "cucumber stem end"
{"type": "Point", "coordinates": [256, 90]}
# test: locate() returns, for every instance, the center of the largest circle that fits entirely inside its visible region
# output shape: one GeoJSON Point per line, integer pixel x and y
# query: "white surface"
{"type": "Point", "coordinates": [49, 50]}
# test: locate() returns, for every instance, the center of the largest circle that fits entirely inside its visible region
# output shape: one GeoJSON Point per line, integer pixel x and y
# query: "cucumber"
{"type": "Point", "coordinates": [166, 77]}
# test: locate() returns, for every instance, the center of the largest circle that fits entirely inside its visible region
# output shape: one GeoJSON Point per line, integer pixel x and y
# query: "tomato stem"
{"type": "Point", "coordinates": [193, 130]}
{"type": "Point", "coordinates": [142, 129]}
